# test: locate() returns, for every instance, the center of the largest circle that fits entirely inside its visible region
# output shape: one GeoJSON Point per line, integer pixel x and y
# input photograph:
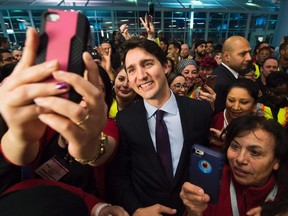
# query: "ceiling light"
{"type": "Point", "coordinates": [252, 4]}
{"type": "Point", "coordinates": [196, 2]}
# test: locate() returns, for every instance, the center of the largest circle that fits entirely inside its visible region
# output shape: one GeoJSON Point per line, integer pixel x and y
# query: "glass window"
{"type": "Point", "coordinates": [176, 24]}
{"type": "Point", "coordinates": [218, 27]}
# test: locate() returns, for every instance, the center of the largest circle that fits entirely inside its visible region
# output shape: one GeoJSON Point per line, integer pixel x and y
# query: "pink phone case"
{"type": "Point", "coordinates": [64, 36]}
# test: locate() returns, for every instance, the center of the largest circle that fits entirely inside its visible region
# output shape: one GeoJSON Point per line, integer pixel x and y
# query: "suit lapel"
{"type": "Point", "coordinates": [182, 164]}
{"type": "Point", "coordinates": [227, 72]}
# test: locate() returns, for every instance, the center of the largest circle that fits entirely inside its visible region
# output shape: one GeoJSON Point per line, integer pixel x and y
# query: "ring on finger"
{"type": "Point", "coordinates": [85, 119]}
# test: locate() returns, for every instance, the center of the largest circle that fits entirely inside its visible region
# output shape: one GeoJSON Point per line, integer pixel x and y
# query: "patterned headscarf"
{"type": "Point", "coordinates": [183, 63]}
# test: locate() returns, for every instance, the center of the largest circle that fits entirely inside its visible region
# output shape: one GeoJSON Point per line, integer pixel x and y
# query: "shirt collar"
{"type": "Point", "coordinates": [235, 74]}
{"type": "Point", "coordinates": [168, 107]}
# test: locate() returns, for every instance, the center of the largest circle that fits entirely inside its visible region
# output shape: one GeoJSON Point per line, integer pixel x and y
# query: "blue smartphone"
{"type": "Point", "coordinates": [206, 167]}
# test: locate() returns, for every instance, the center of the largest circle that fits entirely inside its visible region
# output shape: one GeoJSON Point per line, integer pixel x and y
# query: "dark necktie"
{"type": "Point", "coordinates": [163, 144]}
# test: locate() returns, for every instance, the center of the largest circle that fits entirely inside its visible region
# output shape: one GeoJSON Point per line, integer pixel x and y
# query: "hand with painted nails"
{"type": "Point", "coordinates": [29, 104]}
{"type": "Point", "coordinates": [208, 94]}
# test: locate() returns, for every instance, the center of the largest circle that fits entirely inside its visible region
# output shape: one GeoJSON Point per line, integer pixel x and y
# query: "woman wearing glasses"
{"type": "Point", "coordinates": [177, 84]}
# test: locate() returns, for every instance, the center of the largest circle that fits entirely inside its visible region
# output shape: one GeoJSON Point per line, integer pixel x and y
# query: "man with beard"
{"type": "Point", "coordinates": [236, 56]}
{"type": "Point", "coordinates": [209, 48]}
{"type": "Point", "coordinates": [199, 50]}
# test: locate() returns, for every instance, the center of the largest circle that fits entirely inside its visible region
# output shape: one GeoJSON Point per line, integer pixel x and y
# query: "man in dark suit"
{"type": "Point", "coordinates": [236, 56]}
{"type": "Point", "coordinates": [137, 178]}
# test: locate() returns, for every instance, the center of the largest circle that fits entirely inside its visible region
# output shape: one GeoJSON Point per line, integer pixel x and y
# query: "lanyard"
{"type": "Point", "coordinates": [225, 119]}
{"type": "Point", "coordinates": [271, 196]}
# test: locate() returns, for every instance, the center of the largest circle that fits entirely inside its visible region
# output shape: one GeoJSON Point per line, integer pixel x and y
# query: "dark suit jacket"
{"type": "Point", "coordinates": [224, 80]}
{"type": "Point", "coordinates": [136, 177]}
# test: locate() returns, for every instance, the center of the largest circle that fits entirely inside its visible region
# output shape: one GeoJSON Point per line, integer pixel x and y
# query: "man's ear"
{"type": "Point", "coordinates": [226, 56]}
{"type": "Point", "coordinates": [276, 165]}
{"type": "Point", "coordinates": [166, 68]}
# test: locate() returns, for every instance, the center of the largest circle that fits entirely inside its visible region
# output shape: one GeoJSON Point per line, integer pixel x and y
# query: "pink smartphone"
{"type": "Point", "coordinates": [64, 36]}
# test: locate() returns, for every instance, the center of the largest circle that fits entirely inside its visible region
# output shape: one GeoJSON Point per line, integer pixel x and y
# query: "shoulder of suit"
{"type": "Point", "coordinates": [191, 103]}
{"type": "Point", "coordinates": [220, 69]}
{"type": "Point", "coordinates": [135, 107]}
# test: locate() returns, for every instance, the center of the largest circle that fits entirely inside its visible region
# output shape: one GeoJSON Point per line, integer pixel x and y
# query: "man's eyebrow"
{"type": "Point", "coordinates": [130, 66]}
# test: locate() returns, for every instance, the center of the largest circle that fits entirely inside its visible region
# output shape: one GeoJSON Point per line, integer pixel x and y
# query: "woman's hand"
{"type": "Point", "coordinates": [209, 96]}
{"type": "Point", "coordinates": [28, 104]}
{"type": "Point", "coordinates": [215, 137]}
{"type": "Point", "coordinates": [255, 211]}
{"type": "Point", "coordinates": [80, 124]}
{"type": "Point", "coordinates": [194, 198]}
{"type": "Point", "coordinates": [17, 94]}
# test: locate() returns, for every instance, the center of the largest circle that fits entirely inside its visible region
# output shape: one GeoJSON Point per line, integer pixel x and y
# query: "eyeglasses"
{"type": "Point", "coordinates": [179, 86]}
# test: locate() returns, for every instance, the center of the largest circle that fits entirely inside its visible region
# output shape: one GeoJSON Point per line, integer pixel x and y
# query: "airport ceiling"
{"type": "Point", "coordinates": [207, 5]}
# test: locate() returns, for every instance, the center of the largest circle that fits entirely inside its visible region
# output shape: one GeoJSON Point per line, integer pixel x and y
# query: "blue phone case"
{"type": "Point", "coordinates": [206, 170]}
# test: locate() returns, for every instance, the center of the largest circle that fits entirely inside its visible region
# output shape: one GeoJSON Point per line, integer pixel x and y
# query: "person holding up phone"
{"type": "Point", "coordinates": [204, 88]}
{"type": "Point", "coordinates": [34, 108]}
{"type": "Point", "coordinates": [255, 172]}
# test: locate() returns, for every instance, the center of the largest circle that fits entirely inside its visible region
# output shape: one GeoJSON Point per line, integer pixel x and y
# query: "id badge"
{"type": "Point", "coordinates": [52, 170]}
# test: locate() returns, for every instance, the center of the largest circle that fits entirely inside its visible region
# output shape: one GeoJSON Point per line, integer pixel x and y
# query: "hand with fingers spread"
{"type": "Point", "coordinates": [147, 22]}
{"type": "Point", "coordinates": [106, 61]}
{"type": "Point", "coordinates": [194, 198]}
{"type": "Point", "coordinates": [155, 210]}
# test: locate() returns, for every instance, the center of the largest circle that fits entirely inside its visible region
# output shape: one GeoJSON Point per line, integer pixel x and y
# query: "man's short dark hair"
{"type": "Point", "coordinates": [176, 45]}
{"type": "Point", "coordinates": [283, 46]}
{"type": "Point", "coordinates": [149, 46]}
{"type": "Point", "coordinates": [164, 40]}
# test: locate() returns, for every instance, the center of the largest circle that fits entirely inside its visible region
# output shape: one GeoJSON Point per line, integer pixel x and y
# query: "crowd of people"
{"type": "Point", "coordinates": [125, 148]}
